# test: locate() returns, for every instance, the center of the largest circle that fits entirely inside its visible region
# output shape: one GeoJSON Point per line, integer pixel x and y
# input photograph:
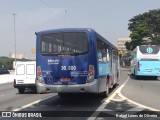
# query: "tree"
{"type": "Point", "coordinates": [156, 41]}
{"type": "Point", "coordinates": [146, 25]}
{"type": "Point", "coordinates": [127, 44]}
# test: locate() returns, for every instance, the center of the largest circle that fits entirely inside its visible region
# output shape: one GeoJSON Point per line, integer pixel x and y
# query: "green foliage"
{"type": "Point", "coordinates": [7, 62]}
{"type": "Point", "coordinates": [156, 41]}
{"type": "Point", "coordinates": [127, 44]}
{"type": "Point", "coordinates": [140, 32]}
{"type": "Point", "coordinates": [146, 25]}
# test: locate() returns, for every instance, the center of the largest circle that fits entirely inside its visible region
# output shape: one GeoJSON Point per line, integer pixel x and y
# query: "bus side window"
{"type": "Point", "coordinates": [43, 46]}
{"type": "Point", "coordinates": [100, 56]}
{"type": "Point", "coordinates": [104, 56]}
{"type": "Point", "coordinates": [107, 55]}
{"type": "Point", "coordinates": [102, 51]}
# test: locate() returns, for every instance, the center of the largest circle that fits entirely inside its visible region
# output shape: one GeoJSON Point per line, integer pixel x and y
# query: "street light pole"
{"type": "Point", "coordinates": [66, 17]}
{"type": "Point", "coordinates": [14, 17]}
{"type": "Point", "coordinates": [15, 38]}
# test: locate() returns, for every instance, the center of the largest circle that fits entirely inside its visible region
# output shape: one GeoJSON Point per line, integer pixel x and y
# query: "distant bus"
{"type": "Point", "coordinates": [146, 61]}
{"type": "Point", "coordinates": [75, 60]}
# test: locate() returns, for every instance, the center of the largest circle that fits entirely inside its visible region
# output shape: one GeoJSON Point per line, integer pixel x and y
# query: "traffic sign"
{"type": "Point", "coordinates": [33, 50]}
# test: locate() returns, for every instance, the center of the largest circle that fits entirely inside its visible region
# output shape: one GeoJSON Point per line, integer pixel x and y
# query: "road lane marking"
{"type": "Point", "coordinates": [136, 109]}
{"type": "Point", "coordinates": [28, 105]}
{"type": "Point", "coordinates": [33, 103]}
{"type": "Point", "coordinates": [110, 98]}
{"type": "Point", "coordinates": [103, 105]}
{"type": "Point", "coordinates": [140, 105]}
{"type": "Point", "coordinates": [131, 101]}
{"type": "Point", "coordinates": [107, 101]}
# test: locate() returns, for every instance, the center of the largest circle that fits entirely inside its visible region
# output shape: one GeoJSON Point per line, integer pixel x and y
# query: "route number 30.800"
{"type": "Point", "coordinates": [68, 67]}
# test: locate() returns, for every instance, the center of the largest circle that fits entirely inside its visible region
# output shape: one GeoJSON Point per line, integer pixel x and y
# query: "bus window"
{"type": "Point", "coordinates": [43, 46]}
{"type": "Point", "coordinates": [99, 56]}
{"type": "Point", "coordinates": [107, 55]}
{"type": "Point", "coordinates": [70, 43]}
{"type": "Point", "coordinates": [50, 47]}
{"type": "Point", "coordinates": [102, 51]}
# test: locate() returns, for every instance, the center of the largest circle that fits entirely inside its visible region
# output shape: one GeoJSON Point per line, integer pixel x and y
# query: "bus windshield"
{"type": "Point", "coordinates": [66, 43]}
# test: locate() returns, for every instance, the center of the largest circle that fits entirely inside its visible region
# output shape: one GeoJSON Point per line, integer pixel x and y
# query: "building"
{"type": "Point", "coordinates": [121, 44]}
{"type": "Point", "coordinates": [25, 55]}
{"type": "Point", "coordinates": [18, 56]}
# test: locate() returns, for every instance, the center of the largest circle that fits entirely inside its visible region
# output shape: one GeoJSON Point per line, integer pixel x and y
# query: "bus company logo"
{"type": "Point", "coordinates": [50, 61]}
{"type": "Point", "coordinates": [50, 80]}
{"type": "Point", "coordinates": [149, 50]}
{"type": "Point", "coordinates": [6, 114]}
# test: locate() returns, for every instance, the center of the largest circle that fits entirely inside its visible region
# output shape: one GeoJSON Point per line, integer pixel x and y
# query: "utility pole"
{"type": "Point", "coordinates": [66, 17]}
{"type": "Point", "coordinates": [15, 46]}
{"type": "Point", "coordinates": [14, 20]}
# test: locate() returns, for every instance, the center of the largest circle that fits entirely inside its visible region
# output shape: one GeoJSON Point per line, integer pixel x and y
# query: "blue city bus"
{"type": "Point", "coordinates": [75, 60]}
{"type": "Point", "coordinates": [146, 61]}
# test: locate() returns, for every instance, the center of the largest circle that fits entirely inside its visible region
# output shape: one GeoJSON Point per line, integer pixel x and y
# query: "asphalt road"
{"type": "Point", "coordinates": [10, 98]}
{"type": "Point", "coordinates": [145, 90]}
{"type": "Point", "coordinates": [85, 105]}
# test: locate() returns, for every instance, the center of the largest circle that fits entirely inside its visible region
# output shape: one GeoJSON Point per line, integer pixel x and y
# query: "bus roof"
{"type": "Point", "coordinates": [64, 30]}
{"type": "Point", "coordinates": [76, 30]}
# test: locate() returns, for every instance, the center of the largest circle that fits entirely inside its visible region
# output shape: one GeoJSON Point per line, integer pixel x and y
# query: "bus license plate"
{"type": "Point", "coordinates": [65, 79]}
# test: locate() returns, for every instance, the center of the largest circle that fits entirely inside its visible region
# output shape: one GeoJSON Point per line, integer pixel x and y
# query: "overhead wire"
{"type": "Point", "coordinates": [25, 23]}
{"type": "Point", "coordinates": [63, 10]}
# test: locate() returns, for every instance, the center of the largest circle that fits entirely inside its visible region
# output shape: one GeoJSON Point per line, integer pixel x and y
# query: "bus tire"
{"type": "Point", "coordinates": [135, 76]}
{"type": "Point", "coordinates": [107, 90]}
{"type": "Point", "coordinates": [106, 93]}
{"type": "Point", "coordinates": [158, 78]}
{"type": "Point", "coordinates": [21, 90]}
{"type": "Point", "coordinates": [115, 85]}
{"type": "Point", "coordinates": [35, 90]}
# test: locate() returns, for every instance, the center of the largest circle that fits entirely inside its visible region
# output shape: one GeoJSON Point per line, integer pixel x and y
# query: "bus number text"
{"type": "Point", "coordinates": [68, 67]}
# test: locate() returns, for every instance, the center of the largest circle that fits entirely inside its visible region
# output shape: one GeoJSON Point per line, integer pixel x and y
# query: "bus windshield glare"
{"type": "Point", "coordinates": [66, 43]}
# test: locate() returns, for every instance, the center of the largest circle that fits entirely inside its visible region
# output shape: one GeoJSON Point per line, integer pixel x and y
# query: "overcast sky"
{"type": "Point", "coordinates": [108, 17]}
